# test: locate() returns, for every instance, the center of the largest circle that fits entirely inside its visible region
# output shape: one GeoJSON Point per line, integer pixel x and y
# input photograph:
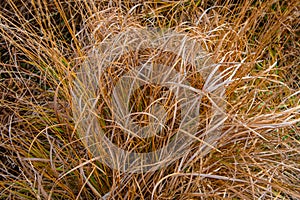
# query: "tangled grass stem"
{"type": "Point", "coordinates": [252, 48]}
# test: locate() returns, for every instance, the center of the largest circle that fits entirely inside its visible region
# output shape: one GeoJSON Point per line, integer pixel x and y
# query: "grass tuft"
{"type": "Point", "coordinates": [253, 46]}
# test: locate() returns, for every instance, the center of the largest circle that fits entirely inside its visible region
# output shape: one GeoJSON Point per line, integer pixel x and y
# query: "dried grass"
{"type": "Point", "coordinates": [43, 44]}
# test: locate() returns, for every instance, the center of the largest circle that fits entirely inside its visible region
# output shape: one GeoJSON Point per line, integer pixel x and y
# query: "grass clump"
{"type": "Point", "coordinates": [255, 44]}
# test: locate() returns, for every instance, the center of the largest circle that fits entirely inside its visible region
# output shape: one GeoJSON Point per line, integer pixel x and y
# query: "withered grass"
{"type": "Point", "coordinates": [256, 43]}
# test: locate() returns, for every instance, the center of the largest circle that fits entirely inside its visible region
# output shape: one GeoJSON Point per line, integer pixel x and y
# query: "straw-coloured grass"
{"type": "Point", "coordinates": [252, 47]}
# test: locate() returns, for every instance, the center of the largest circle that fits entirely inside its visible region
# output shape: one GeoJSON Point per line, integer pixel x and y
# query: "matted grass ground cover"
{"type": "Point", "coordinates": [60, 62]}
